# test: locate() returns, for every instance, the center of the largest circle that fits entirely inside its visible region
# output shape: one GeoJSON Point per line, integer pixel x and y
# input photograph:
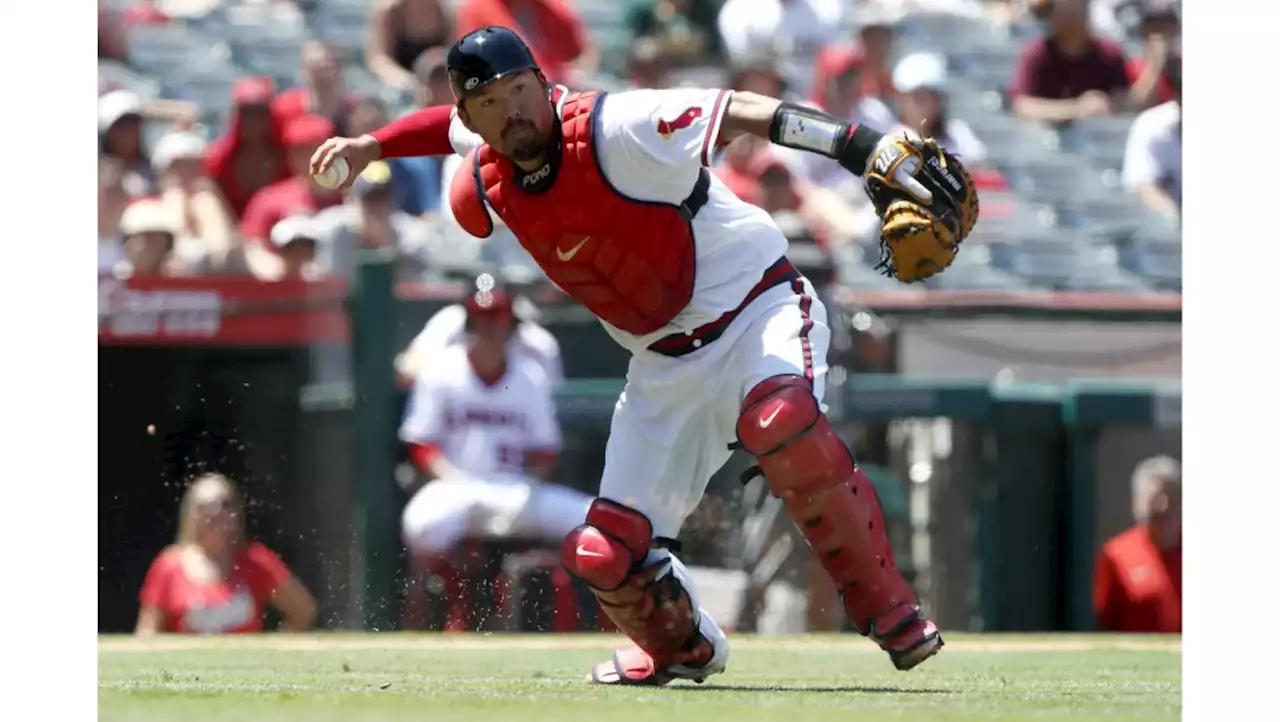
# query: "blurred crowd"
{"type": "Point", "coordinates": [185, 188]}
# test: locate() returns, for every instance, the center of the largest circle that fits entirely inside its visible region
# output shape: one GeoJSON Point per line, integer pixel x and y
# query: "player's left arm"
{"type": "Point", "coordinates": [808, 129]}
{"type": "Point", "coordinates": [670, 134]}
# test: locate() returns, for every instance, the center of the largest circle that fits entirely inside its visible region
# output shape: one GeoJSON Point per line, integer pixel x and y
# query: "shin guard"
{"type": "Point", "coordinates": [638, 589]}
{"type": "Point", "coordinates": [835, 506]}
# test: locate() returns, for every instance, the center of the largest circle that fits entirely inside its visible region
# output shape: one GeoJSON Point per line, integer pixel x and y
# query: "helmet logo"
{"type": "Point", "coordinates": [471, 83]}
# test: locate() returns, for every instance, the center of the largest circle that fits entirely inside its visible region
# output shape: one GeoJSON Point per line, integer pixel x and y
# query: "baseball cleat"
{"type": "Point", "coordinates": [633, 666]}
{"type": "Point", "coordinates": [910, 638]}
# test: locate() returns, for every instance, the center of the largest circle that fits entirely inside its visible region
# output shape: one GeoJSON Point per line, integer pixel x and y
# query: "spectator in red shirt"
{"type": "Point", "coordinates": [1137, 584]}
{"type": "Point", "coordinates": [1161, 30]}
{"type": "Point", "coordinates": [1070, 73]}
{"type": "Point", "coordinates": [321, 92]}
{"type": "Point", "coordinates": [551, 28]}
{"type": "Point", "coordinates": [250, 154]}
{"type": "Point", "coordinates": [399, 32]}
{"type": "Point", "coordinates": [297, 194]}
{"type": "Point", "coordinates": [214, 579]}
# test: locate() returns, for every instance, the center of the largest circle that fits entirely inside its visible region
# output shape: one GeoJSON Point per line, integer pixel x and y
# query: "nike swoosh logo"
{"type": "Point", "coordinates": [568, 255]}
{"type": "Point", "coordinates": [583, 551]}
{"type": "Point", "coordinates": [764, 423]}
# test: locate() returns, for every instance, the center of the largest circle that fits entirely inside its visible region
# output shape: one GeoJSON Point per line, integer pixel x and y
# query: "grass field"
{"type": "Point", "coordinates": [429, 678]}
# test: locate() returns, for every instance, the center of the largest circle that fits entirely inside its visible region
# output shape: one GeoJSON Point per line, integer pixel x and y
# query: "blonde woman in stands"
{"type": "Point", "coordinates": [214, 579]}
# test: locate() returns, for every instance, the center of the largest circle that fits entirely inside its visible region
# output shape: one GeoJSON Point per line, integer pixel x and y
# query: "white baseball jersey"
{"type": "Point", "coordinates": [736, 242]}
{"type": "Point", "coordinates": [447, 328]}
{"type": "Point", "coordinates": [485, 430]}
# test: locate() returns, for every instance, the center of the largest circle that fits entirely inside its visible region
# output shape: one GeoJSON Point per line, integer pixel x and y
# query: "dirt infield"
{"type": "Point", "coordinates": [401, 642]}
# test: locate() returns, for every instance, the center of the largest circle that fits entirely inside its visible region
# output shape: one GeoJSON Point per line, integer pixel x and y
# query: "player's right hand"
{"type": "Point", "coordinates": [358, 152]}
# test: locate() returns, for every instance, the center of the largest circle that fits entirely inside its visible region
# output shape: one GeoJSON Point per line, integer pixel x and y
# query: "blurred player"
{"type": "Point", "coordinates": [447, 328]}
{"type": "Point", "coordinates": [611, 196]}
{"type": "Point", "coordinates": [481, 422]}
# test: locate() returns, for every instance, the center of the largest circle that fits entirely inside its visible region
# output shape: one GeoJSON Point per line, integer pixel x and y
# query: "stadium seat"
{"type": "Point", "coordinates": [1062, 263]}
{"type": "Point", "coordinates": [1160, 263]}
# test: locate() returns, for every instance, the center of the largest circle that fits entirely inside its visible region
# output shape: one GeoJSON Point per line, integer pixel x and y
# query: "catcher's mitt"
{"type": "Point", "coordinates": [917, 239]}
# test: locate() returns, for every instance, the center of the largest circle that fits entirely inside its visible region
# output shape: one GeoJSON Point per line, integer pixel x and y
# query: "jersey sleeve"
{"type": "Point", "coordinates": [423, 421]}
{"type": "Point", "coordinates": [156, 581]}
{"type": "Point", "coordinates": [544, 428]}
{"type": "Point", "coordinates": [664, 134]}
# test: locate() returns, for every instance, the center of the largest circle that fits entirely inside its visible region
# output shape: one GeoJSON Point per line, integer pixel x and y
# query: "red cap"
{"type": "Point", "coordinates": [252, 91]}
{"type": "Point", "coordinates": [840, 59]}
{"type": "Point", "coordinates": [308, 130]}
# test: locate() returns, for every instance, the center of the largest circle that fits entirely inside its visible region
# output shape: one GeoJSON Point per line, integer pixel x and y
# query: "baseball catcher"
{"type": "Point", "coordinates": [611, 195]}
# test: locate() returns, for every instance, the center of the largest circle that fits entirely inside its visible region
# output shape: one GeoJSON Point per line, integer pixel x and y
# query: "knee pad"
{"type": "Point", "coordinates": [783, 427]}
{"type": "Point", "coordinates": [605, 550]}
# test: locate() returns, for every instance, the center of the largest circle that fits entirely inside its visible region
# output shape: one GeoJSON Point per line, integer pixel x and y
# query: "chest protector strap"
{"type": "Point", "coordinates": [466, 198]}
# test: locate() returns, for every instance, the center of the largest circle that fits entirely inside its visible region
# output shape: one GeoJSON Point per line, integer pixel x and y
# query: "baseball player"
{"type": "Point", "coordinates": [481, 422]}
{"type": "Point", "coordinates": [446, 328]}
{"type": "Point", "coordinates": [610, 194]}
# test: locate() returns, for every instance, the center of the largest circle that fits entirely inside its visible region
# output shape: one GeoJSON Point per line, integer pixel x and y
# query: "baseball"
{"type": "Point", "coordinates": [335, 175]}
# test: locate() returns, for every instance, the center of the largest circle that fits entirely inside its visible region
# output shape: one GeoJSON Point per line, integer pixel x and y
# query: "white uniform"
{"type": "Point", "coordinates": [485, 431]}
{"type": "Point", "coordinates": [673, 423]}
{"type": "Point", "coordinates": [447, 328]}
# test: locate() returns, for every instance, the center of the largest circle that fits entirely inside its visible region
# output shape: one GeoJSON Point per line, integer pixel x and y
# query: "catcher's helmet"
{"type": "Point", "coordinates": [489, 300]}
{"type": "Point", "coordinates": [485, 55]}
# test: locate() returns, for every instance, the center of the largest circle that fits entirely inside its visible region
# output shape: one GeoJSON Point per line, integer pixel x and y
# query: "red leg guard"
{"type": "Point", "coordinates": [651, 607]}
{"type": "Point", "coordinates": [836, 508]}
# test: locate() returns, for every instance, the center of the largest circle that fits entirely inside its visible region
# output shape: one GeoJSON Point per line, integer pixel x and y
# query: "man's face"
{"type": "Point", "coordinates": [255, 120]}
{"type": "Point", "coordinates": [124, 137]}
{"type": "Point", "coordinates": [147, 252]}
{"type": "Point", "coordinates": [1070, 15]}
{"type": "Point", "coordinates": [512, 114]}
{"type": "Point", "coordinates": [489, 334]}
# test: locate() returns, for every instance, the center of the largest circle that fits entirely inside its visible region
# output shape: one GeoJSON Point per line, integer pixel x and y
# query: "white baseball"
{"type": "Point", "coordinates": [335, 175]}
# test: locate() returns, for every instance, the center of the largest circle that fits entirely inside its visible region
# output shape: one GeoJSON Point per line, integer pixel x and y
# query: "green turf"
{"type": "Point", "coordinates": [427, 678]}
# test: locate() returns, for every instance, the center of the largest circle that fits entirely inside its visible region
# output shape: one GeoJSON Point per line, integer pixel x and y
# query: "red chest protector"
{"type": "Point", "coordinates": [630, 262]}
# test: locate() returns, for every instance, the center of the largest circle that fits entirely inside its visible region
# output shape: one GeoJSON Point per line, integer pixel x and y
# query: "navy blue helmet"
{"type": "Point", "coordinates": [485, 55]}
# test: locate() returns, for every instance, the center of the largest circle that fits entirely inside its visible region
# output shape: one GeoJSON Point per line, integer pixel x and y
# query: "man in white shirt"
{"type": "Point", "coordinates": [481, 422]}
